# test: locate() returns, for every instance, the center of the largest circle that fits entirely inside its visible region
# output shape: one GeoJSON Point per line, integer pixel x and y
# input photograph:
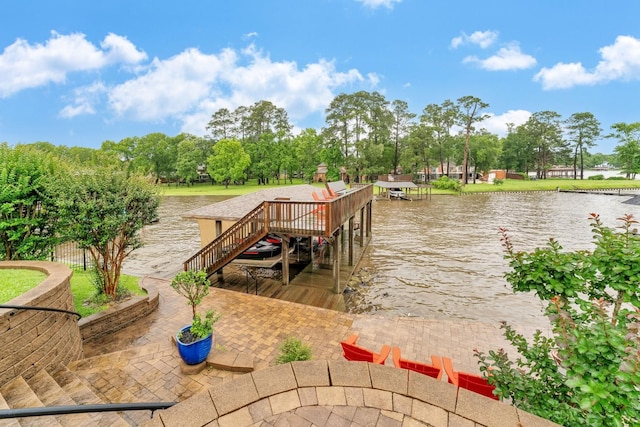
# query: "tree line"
{"type": "Point", "coordinates": [367, 135]}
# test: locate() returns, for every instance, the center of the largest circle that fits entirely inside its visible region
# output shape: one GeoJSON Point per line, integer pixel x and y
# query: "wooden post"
{"type": "Point", "coordinates": [351, 241]}
{"type": "Point", "coordinates": [219, 232]}
{"type": "Point", "coordinates": [285, 260]}
{"type": "Point", "coordinates": [336, 262]}
{"type": "Point", "coordinates": [362, 226]}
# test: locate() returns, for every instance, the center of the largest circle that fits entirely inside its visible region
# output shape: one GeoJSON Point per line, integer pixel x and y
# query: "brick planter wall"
{"type": "Point", "coordinates": [32, 340]}
{"type": "Point", "coordinates": [120, 315]}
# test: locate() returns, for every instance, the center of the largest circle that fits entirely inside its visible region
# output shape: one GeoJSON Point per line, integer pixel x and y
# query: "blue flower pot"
{"type": "Point", "coordinates": [195, 352]}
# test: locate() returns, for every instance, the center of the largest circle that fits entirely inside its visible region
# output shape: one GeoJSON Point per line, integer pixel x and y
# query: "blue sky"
{"type": "Point", "coordinates": [78, 73]}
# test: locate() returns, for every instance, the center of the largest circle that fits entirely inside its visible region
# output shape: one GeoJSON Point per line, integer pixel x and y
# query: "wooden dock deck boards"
{"type": "Point", "coordinates": [312, 286]}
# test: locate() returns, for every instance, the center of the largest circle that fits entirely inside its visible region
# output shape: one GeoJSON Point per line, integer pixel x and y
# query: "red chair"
{"type": "Point", "coordinates": [354, 352]}
{"type": "Point", "coordinates": [332, 193]}
{"type": "Point", "coordinates": [471, 382]}
{"type": "Point", "coordinates": [320, 210]}
{"type": "Point", "coordinates": [326, 195]}
{"type": "Point", "coordinates": [434, 370]}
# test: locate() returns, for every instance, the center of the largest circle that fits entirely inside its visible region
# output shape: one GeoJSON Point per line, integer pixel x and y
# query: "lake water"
{"type": "Point", "coordinates": [438, 258]}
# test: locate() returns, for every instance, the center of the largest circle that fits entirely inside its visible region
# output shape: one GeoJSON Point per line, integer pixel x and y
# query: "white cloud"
{"type": "Point", "coordinates": [484, 39]}
{"type": "Point", "coordinates": [507, 58]}
{"type": "Point", "coordinates": [85, 100]}
{"type": "Point", "coordinates": [23, 65]}
{"type": "Point", "coordinates": [497, 124]}
{"type": "Point", "coordinates": [620, 61]}
{"type": "Point", "coordinates": [374, 4]}
{"type": "Point", "coordinates": [192, 85]}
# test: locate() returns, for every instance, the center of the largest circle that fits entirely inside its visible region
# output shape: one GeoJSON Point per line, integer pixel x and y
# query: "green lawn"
{"type": "Point", "coordinates": [14, 282]}
{"type": "Point", "coordinates": [551, 185]}
{"type": "Point", "coordinates": [206, 189]}
{"type": "Point", "coordinates": [84, 292]}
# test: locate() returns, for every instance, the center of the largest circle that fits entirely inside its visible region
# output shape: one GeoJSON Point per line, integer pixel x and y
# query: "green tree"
{"type": "Point", "coordinates": [628, 151]}
{"type": "Point", "coordinates": [400, 129]}
{"type": "Point", "coordinates": [189, 157]}
{"type": "Point", "coordinates": [27, 228]}
{"type": "Point", "coordinates": [228, 162]}
{"type": "Point", "coordinates": [103, 210]}
{"type": "Point", "coordinates": [470, 109]}
{"type": "Point", "coordinates": [307, 147]}
{"type": "Point", "coordinates": [588, 372]}
{"type": "Point", "coordinates": [438, 121]}
{"type": "Point", "coordinates": [484, 151]}
{"type": "Point", "coordinates": [545, 132]}
{"type": "Point", "coordinates": [583, 129]}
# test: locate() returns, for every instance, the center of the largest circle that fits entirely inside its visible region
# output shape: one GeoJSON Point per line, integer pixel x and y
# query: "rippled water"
{"type": "Point", "coordinates": [436, 258]}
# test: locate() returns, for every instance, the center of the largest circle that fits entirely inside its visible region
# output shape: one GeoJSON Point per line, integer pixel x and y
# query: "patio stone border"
{"type": "Point", "coordinates": [409, 397]}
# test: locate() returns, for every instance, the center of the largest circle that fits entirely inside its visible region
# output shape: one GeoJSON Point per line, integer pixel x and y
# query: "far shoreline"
{"type": "Point", "coordinates": [508, 186]}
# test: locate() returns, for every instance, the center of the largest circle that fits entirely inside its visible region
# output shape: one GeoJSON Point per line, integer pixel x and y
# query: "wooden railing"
{"type": "Point", "coordinates": [318, 218]}
{"type": "Point", "coordinates": [231, 243]}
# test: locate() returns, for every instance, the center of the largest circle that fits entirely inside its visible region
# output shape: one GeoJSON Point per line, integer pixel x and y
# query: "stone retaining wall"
{"type": "Point", "coordinates": [294, 392]}
{"type": "Point", "coordinates": [32, 340]}
{"type": "Point", "coordinates": [120, 315]}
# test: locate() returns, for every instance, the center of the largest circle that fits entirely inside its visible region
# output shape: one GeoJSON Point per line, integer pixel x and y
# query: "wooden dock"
{"type": "Point", "coordinates": [312, 284]}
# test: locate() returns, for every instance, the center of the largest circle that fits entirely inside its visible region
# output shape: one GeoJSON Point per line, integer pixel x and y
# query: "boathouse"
{"type": "Point", "coordinates": [230, 227]}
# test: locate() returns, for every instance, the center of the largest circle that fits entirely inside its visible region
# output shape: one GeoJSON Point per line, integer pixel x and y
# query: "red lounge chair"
{"type": "Point", "coordinates": [468, 381]}
{"type": "Point", "coordinates": [434, 370]}
{"type": "Point", "coordinates": [326, 195]}
{"type": "Point", "coordinates": [320, 210]}
{"type": "Point", "coordinates": [332, 193]}
{"type": "Point", "coordinates": [351, 351]}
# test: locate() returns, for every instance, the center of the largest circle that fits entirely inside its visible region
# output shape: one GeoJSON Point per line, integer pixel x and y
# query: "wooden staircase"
{"type": "Point", "coordinates": [231, 243]}
{"type": "Point", "coordinates": [56, 386]}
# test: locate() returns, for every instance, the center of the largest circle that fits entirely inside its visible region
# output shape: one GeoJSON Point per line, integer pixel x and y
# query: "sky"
{"type": "Point", "coordinates": [78, 73]}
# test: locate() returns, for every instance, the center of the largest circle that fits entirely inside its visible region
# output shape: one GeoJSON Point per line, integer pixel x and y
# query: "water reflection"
{"type": "Point", "coordinates": [437, 258]}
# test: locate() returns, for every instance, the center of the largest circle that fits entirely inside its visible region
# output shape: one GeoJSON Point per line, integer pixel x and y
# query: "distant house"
{"type": "Point", "coordinates": [321, 173]}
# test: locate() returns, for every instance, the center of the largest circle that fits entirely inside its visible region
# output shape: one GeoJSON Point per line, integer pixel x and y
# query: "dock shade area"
{"type": "Point", "coordinates": [396, 189]}
{"type": "Point", "coordinates": [230, 227]}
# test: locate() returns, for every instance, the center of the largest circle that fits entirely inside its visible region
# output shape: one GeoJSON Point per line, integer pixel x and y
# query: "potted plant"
{"type": "Point", "coordinates": [194, 341]}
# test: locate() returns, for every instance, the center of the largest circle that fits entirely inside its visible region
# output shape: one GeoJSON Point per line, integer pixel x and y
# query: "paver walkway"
{"type": "Point", "coordinates": [139, 363]}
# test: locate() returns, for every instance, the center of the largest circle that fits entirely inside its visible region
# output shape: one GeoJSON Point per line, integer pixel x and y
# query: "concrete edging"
{"type": "Point", "coordinates": [252, 398]}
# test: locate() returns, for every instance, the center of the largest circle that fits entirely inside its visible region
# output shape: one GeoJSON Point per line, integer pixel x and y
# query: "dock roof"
{"type": "Point", "coordinates": [395, 184]}
{"type": "Point", "coordinates": [237, 207]}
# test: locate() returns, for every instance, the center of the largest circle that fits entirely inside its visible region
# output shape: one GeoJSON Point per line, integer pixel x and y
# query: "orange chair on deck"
{"type": "Point", "coordinates": [332, 193]}
{"type": "Point", "coordinates": [354, 352]}
{"type": "Point", "coordinates": [320, 211]}
{"type": "Point", "coordinates": [326, 195]}
{"type": "Point", "coordinates": [434, 370]}
{"type": "Point", "coordinates": [471, 382]}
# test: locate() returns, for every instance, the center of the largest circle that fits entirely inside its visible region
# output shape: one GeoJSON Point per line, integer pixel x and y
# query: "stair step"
{"type": "Point", "coordinates": [75, 388]}
{"type": "Point", "coordinates": [17, 395]}
{"type": "Point", "coordinates": [51, 394]}
{"type": "Point", "coordinates": [9, 422]}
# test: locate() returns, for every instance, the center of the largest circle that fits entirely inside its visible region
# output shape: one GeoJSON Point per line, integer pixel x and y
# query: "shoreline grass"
{"type": "Point", "coordinates": [509, 185]}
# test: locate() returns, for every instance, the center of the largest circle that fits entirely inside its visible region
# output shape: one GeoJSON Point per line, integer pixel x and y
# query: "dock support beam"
{"type": "Point", "coordinates": [350, 248]}
{"type": "Point", "coordinates": [285, 260]}
{"type": "Point", "coordinates": [336, 262]}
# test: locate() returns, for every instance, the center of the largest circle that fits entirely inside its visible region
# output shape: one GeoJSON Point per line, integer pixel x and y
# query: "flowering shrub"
{"type": "Point", "coordinates": [588, 371]}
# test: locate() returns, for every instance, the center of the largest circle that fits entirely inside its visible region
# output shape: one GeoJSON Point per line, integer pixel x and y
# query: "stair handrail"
{"type": "Point", "coordinates": [211, 246]}
{"type": "Point", "coordinates": [31, 307]}
{"type": "Point", "coordinates": [81, 409]}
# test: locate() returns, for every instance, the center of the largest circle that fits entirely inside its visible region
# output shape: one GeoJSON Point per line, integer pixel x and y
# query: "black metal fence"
{"type": "Point", "coordinates": [70, 254]}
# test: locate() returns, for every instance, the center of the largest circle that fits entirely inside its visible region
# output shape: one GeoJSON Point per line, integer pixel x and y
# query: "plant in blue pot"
{"type": "Point", "coordinates": [194, 341]}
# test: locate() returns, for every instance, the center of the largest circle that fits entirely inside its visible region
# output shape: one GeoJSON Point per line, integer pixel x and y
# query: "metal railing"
{"type": "Point", "coordinates": [31, 307]}
{"type": "Point", "coordinates": [81, 409]}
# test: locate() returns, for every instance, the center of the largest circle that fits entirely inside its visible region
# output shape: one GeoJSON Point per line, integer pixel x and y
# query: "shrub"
{"type": "Point", "coordinates": [193, 285]}
{"type": "Point", "coordinates": [498, 181]}
{"type": "Point", "coordinates": [598, 177]}
{"type": "Point", "coordinates": [292, 350]}
{"type": "Point", "coordinates": [446, 183]}
{"type": "Point", "coordinates": [617, 178]}
{"type": "Point", "coordinates": [588, 371]}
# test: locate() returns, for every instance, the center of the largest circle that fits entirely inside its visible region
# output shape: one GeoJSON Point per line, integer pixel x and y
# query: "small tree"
{"type": "Point", "coordinates": [103, 210]}
{"type": "Point", "coordinates": [588, 372]}
{"type": "Point", "coordinates": [293, 350]}
{"type": "Point", "coordinates": [193, 285]}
